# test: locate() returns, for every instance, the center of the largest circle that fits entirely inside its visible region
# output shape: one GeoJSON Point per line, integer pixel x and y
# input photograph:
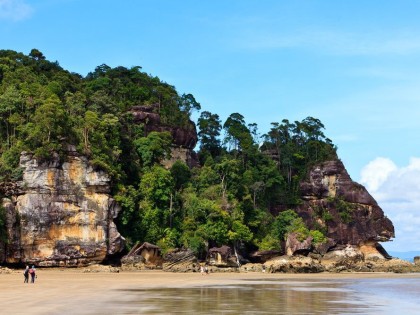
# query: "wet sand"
{"type": "Point", "coordinates": [71, 291]}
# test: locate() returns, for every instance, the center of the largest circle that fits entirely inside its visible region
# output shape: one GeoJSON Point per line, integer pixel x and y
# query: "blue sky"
{"type": "Point", "coordinates": [352, 64]}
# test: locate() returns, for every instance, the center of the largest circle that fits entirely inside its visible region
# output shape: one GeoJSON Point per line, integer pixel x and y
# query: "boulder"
{"type": "Point", "coordinates": [222, 257]}
{"type": "Point", "coordinates": [180, 260]}
{"type": "Point", "coordinates": [341, 259]}
{"type": "Point", "coordinates": [394, 265]}
{"type": "Point", "coordinates": [293, 264]}
{"type": "Point", "coordinates": [263, 255]}
{"type": "Point", "coordinates": [293, 245]}
{"type": "Point", "coordinates": [322, 248]}
{"type": "Point", "coordinates": [142, 256]}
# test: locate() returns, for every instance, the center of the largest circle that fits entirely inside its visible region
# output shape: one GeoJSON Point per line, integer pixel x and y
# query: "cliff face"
{"type": "Point", "coordinates": [61, 214]}
{"type": "Point", "coordinates": [343, 208]}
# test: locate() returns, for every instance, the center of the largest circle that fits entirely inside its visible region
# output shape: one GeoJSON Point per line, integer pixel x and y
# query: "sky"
{"type": "Point", "coordinates": [352, 64]}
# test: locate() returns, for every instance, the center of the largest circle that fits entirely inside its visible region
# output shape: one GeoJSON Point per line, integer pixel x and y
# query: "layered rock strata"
{"type": "Point", "coordinates": [62, 214]}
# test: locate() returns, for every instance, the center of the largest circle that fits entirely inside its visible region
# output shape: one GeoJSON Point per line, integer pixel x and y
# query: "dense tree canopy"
{"type": "Point", "coordinates": [226, 200]}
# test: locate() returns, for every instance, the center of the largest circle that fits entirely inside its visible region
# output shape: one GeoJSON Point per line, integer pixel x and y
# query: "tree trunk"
{"type": "Point", "coordinates": [236, 254]}
{"type": "Point", "coordinates": [170, 213]}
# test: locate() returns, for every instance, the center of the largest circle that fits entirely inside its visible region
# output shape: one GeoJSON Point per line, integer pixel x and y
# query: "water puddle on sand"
{"type": "Point", "coordinates": [270, 297]}
{"type": "Point", "coordinates": [259, 298]}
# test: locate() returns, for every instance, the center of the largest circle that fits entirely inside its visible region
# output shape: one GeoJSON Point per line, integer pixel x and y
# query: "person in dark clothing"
{"type": "Point", "coordinates": [26, 275]}
{"type": "Point", "coordinates": [32, 273]}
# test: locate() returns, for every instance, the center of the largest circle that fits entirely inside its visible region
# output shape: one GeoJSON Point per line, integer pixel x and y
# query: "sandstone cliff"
{"type": "Point", "coordinates": [60, 214]}
{"type": "Point", "coordinates": [344, 209]}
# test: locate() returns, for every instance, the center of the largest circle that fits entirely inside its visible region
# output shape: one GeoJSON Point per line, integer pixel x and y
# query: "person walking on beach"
{"type": "Point", "coordinates": [26, 275]}
{"type": "Point", "coordinates": [32, 273]}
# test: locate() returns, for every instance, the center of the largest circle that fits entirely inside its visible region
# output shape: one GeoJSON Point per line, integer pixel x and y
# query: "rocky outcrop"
{"type": "Point", "coordinates": [364, 259]}
{"type": "Point", "coordinates": [263, 255]}
{"type": "Point", "coordinates": [348, 260]}
{"type": "Point", "coordinates": [62, 214]}
{"type": "Point", "coordinates": [293, 245]}
{"type": "Point", "coordinates": [293, 264]}
{"type": "Point", "coordinates": [345, 210]}
{"type": "Point", "coordinates": [142, 256]}
{"type": "Point", "coordinates": [222, 257]}
{"type": "Point", "coordinates": [180, 260]}
{"type": "Point", "coordinates": [184, 138]}
{"type": "Point", "coordinates": [345, 258]}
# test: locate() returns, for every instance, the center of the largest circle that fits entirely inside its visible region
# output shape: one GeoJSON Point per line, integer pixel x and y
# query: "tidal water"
{"type": "Point", "coordinates": [276, 296]}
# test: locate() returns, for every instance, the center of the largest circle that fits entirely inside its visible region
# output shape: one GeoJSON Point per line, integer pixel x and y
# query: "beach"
{"type": "Point", "coordinates": [72, 291]}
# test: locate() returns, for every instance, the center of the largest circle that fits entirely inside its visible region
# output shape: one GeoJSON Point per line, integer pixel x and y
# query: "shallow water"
{"type": "Point", "coordinates": [345, 296]}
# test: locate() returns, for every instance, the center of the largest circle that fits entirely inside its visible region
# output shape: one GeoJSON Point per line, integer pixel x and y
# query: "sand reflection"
{"type": "Point", "coordinates": [260, 298]}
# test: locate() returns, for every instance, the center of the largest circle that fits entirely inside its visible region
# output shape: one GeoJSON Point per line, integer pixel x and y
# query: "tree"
{"type": "Point", "coordinates": [91, 122]}
{"type": "Point", "coordinates": [153, 148]}
{"type": "Point", "coordinates": [11, 103]}
{"type": "Point", "coordinates": [50, 121]}
{"type": "Point", "coordinates": [36, 54]}
{"type": "Point", "coordinates": [209, 131]}
{"type": "Point", "coordinates": [181, 174]}
{"type": "Point", "coordinates": [214, 231]}
{"type": "Point", "coordinates": [282, 223]}
{"type": "Point", "coordinates": [155, 189]}
{"type": "Point", "coordinates": [129, 221]}
{"type": "Point", "coordinates": [239, 232]}
{"type": "Point", "coordinates": [227, 170]}
{"type": "Point", "coordinates": [253, 129]}
{"type": "Point", "coordinates": [239, 138]}
{"type": "Point", "coordinates": [188, 103]}
{"type": "Point", "coordinates": [237, 134]}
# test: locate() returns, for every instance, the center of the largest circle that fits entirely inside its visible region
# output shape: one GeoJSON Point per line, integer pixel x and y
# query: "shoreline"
{"type": "Point", "coordinates": [76, 292]}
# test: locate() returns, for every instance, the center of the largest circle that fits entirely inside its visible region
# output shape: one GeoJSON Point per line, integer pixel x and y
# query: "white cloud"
{"type": "Point", "coordinates": [14, 10]}
{"type": "Point", "coordinates": [376, 173]}
{"type": "Point", "coordinates": [397, 191]}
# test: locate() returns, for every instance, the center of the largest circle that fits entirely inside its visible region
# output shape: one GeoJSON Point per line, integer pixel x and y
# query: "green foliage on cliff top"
{"type": "Point", "coordinates": [44, 108]}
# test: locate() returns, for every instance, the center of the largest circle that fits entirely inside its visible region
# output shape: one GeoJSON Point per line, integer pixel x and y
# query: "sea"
{"type": "Point", "coordinates": [279, 296]}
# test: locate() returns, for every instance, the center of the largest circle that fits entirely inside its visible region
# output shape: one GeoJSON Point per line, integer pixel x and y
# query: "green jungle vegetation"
{"type": "Point", "coordinates": [226, 200]}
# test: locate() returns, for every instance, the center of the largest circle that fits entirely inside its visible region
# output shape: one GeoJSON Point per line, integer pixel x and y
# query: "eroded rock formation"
{"type": "Point", "coordinates": [61, 214]}
{"type": "Point", "coordinates": [293, 264]}
{"type": "Point", "coordinates": [180, 260]}
{"type": "Point", "coordinates": [344, 209]}
{"type": "Point", "coordinates": [142, 256]}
